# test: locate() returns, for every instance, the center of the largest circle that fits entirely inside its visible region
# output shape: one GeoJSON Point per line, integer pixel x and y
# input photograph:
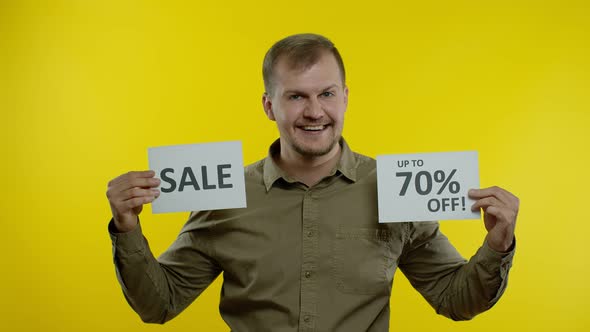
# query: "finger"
{"type": "Point", "coordinates": [502, 194]}
{"type": "Point", "coordinates": [502, 215]}
{"type": "Point", "coordinates": [143, 182]}
{"type": "Point", "coordinates": [486, 202]}
{"type": "Point", "coordinates": [484, 192]}
{"type": "Point", "coordinates": [494, 191]}
{"type": "Point", "coordinates": [135, 188]}
{"type": "Point", "coordinates": [514, 201]}
{"type": "Point", "coordinates": [134, 182]}
{"type": "Point", "coordinates": [132, 174]}
{"type": "Point", "coordinates": [144, 174]}
{"type": "Point", "coordinates": [138, 201]}
{"type": "Point", "coordinates": [137, 192]}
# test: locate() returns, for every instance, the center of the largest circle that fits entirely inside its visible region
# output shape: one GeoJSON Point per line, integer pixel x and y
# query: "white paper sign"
{"type": "Point", "coordinates": [426, 186]}
{"type": "Point", "coordinates": [197, 177]}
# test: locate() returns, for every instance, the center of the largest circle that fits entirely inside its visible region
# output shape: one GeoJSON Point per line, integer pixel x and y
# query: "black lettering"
{"type": "Point", "coordinates": [221, 176]}
{"type": "Point", "coordinates": [183, 182]}
{"type": "Point", "coordinates": [206, 184]}
{"type": "Point", "coordinates": [433, 207]}
{"type": "Point", "coordinates": [167, 180]}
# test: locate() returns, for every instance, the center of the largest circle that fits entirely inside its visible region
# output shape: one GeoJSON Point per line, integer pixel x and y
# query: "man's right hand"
{"type": "Point", "coordinates": [128, 193]}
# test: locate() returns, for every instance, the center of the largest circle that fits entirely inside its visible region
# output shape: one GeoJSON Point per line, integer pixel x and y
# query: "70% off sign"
{"type": "Point", "coordinates": [426, 186]}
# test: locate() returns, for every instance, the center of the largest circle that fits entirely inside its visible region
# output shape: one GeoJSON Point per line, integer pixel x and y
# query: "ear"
{"type": "Point", "coordinates": [267, 105]}
{"type": "Point", "coordinates": [346, 96]}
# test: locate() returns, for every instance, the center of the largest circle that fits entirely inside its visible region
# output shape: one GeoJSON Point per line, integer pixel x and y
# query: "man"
{"type": "Point", "coordinates": [308, 253]}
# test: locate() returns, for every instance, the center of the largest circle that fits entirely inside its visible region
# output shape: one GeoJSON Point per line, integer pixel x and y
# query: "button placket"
{"type": "Point", "coordinates": [309, 240]}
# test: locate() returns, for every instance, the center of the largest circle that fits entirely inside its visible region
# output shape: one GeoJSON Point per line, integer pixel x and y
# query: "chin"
{"type": "Point", "coordinates": [314, 151]}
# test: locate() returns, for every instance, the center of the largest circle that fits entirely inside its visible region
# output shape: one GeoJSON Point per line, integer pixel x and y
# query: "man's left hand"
{"type": "Point", "coordinates": [500, 209]}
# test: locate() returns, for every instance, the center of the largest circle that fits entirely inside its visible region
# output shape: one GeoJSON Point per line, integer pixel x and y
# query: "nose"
{"type": "Point", "coordinates": [313, 109]}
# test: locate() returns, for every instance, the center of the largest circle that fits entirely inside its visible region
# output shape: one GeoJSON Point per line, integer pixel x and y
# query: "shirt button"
{"type": "Point", "coordinates": [307, 274]}
{"type": "Point", "coordinates": [309, 234]}
{"type": "Point", "coordinates": [306, 319]}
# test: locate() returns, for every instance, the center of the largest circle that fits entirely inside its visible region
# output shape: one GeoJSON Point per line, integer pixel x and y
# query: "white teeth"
{"type": "Point", "coordinates": [313, 128]}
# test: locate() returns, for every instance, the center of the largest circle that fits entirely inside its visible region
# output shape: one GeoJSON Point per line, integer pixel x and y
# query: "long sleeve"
{"type": "Point", "coordinates": [454, 287]}
{"type": "Point", "coordinates": [158, 290]}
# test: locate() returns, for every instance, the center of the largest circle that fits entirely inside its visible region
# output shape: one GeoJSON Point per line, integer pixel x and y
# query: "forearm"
{"type": "Point", "coordinates": [142, 279]}
{"type": "Point", "coordinates": [476, 286]}
{"type": "Point", "coordinates": [158, 290]}
{"type": "Point", "coordinates": [454, 287]}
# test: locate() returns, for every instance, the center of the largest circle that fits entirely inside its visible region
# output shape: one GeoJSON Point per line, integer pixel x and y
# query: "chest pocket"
{"type": "Point", "coordinates": [363, 262]}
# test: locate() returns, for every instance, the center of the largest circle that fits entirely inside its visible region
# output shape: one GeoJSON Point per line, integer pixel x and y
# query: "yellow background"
{"type": "Point", "coordinates": [87, 86]}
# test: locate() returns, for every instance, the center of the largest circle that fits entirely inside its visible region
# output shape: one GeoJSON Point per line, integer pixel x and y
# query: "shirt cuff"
{"type": "Point", "coordinates": [126, 243]}
{"type": "Point", "coordinates": [504, 258]}
{"type": "Point", "coordinates": [498, 263]}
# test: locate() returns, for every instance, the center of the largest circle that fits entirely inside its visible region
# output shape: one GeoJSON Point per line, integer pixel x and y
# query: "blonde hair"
{"type": "Point", "coordinates": [301, 51]}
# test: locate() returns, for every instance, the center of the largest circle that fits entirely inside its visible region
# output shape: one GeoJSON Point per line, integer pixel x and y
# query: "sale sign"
{"type": "Point", "coordinates": [426, 186]}
{"type": "Point", "coordinates": [198, 177]}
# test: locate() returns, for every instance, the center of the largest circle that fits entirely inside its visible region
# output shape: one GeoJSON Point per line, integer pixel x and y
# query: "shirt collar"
{"type": "Point", "coordinates": [347, 165]}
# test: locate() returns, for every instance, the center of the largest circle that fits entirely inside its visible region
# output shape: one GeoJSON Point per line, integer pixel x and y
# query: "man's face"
{"type": "Point", "coordinates": [308, 106]}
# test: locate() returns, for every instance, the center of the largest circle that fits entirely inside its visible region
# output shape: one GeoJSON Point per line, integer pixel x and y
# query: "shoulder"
{"type": "Point", "coordinates": [255, 170]}
{"type": "Point", "coordinates": [366, 167]}
{"type": "Point", "coordinates": [254, 175]}
{"type": "Point", "coordinates": [364, 161]}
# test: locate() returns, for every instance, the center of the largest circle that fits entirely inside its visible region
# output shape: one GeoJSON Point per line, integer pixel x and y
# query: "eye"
{"type": "Point", "coordinates": [295, 97]}
{"type": "Point", "coordinates": [327, 94]}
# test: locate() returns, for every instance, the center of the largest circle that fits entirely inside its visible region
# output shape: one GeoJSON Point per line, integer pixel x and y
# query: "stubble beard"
{"type": "Point", "coordinates": [310, 152]}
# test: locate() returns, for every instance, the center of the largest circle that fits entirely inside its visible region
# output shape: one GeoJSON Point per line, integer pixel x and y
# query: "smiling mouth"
{"type": "Point", "coordinates": [313, 128]}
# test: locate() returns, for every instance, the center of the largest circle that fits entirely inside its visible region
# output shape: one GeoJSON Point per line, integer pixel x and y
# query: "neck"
{"type": "Point", "coordinates": [308, 170]}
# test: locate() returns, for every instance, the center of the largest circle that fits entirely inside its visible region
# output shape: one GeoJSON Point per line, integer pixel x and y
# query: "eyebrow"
{"type": "Point", "coordinates": [302, 93]}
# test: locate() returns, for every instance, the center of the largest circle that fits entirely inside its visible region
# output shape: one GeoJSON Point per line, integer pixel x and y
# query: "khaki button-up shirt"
{"type": "Point", "coordinates": [306, 259]}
